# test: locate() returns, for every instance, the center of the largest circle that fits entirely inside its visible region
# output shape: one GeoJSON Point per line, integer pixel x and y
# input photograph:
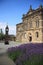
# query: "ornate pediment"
{"type": "Point", "coordinates": [30, 10]}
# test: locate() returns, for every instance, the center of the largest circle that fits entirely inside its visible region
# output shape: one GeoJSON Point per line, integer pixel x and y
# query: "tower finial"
{"type": "Point", "coordinates": [30, 7]}
{"type": "Point", "coordinates": [40, 6]}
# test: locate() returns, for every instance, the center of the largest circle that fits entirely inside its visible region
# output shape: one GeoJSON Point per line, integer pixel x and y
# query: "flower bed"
{"type": "Point", "coordinates": [27, 54]}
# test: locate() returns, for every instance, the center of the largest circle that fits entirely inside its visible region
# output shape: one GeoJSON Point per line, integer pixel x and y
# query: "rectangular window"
{"type": "Point", "coordinates": [37, 34]}
{"type": "Point", "coordinates": [24, 35]}
{"type": "Point", "coordinates": [30, 24]}
{"type": "Point", "coordinates": [37, 23]}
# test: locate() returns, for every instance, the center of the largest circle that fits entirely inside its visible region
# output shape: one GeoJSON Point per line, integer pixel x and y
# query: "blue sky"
{"type": "Point", "coordinates": [11, 12]}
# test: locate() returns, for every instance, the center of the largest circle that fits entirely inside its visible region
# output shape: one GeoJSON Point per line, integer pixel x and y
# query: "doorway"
{"type": "Point", "coordinates": [30, 39]}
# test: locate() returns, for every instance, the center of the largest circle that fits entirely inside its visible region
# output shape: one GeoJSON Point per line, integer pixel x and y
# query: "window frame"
{"type": "Point", "coordinates": [30, 24]}
{"type": "Point", "coordinates": [37, 23]}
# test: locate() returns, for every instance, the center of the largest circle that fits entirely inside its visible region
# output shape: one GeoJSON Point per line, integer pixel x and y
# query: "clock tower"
{"type": "Point", "coordinates": [6, 35]}
{"type": "Point", "coordinates": [6, 30]}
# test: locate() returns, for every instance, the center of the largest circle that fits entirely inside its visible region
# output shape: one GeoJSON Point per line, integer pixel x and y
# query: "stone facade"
{"type": "Point", "coordinates": [31, 28]}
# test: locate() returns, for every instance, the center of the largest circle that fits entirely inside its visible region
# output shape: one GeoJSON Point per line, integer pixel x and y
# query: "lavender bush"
{"type": "Point", "coordinates": [27, 54]}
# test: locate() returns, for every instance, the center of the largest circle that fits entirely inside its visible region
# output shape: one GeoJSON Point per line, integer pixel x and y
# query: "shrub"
{"type": "Point", "coordinates": [27, 54]}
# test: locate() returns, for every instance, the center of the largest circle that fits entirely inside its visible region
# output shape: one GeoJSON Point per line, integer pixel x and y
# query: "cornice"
{"type": "Point", "coordinates": [19, 24]}
{"type": "Point", "coordinates": [33, 12]}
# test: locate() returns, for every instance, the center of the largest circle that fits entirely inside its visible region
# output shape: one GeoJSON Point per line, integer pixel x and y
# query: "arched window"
{"type": "Point", "coordinates": [37, 34]}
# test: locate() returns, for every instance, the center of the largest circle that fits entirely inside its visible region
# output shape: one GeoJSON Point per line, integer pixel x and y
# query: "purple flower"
{"type": "Point", "coordinates": [26, 51]}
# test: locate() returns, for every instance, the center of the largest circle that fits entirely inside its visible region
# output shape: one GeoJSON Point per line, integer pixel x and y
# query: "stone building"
{"type": "Point", "coordinates": [31, 28]}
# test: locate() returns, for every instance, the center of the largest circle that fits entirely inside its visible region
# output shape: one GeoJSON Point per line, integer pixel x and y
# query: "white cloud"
{"type": "Point", "coordinates": [12, 29]}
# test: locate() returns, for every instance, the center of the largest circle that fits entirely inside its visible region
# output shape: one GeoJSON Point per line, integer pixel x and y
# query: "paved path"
{"type": "Point", "coordinates": [4, 60]}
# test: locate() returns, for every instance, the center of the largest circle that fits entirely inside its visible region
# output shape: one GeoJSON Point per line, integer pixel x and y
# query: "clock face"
{"type": "Point", "coordinates": [7, 29]}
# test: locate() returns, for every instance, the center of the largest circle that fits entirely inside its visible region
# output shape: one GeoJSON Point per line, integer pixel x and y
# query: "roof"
{"type": "Point", "coordinates": [19, 24]}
